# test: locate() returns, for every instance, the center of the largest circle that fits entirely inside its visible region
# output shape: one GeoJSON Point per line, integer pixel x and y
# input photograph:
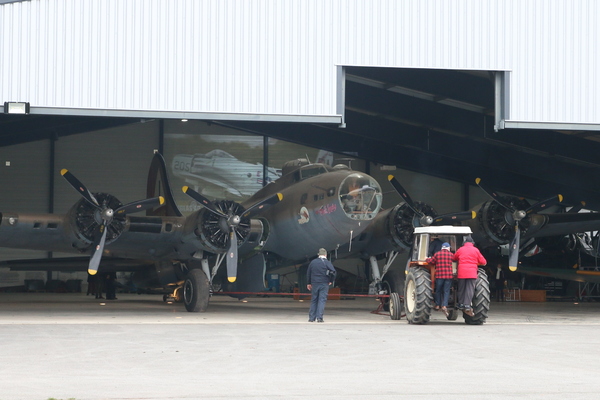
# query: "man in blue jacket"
{"type": "Point", "coordinates": [320, 276]}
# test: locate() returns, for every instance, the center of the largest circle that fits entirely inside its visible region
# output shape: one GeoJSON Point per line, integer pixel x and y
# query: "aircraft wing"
{"type": "Point", "coordinates": [566, 274]}
{"type": "Point", "coordinates": [75, 264]}
{"type": "Point", "coordinates": [565, 223]}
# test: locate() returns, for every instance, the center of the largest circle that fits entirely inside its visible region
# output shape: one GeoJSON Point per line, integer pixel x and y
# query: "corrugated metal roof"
{"type": "Point", "coordinates": [270, 59]}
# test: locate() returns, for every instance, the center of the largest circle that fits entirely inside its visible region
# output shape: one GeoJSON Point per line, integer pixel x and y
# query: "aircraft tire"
{"type": "Point", "coordinates": [481, 300]}
{"type": "Point", "coordinates": [418, 296]}
{"type": "Point", "coordinates": [395, 306]}
{"type": "Point", "coordinates": [196, 291]}
{"type": "Point", "coordinates": [391, 283]}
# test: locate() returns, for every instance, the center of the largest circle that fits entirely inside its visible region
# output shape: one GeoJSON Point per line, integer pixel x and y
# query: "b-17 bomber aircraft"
{"type": "Point", "coordinates": [285, 223]}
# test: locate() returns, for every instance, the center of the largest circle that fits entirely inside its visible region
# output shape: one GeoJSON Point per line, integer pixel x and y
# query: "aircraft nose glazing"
{"type": "Point", "coordinates": [360, 196]}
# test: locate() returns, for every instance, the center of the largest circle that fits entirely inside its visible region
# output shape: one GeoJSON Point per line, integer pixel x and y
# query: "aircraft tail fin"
{"type": "Point", "coordinates": [158, 185]}
{"type": "Point", "coordinates": [325, 157]}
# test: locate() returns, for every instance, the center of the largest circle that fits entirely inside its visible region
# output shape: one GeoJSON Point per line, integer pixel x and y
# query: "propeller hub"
{"type": "Point", "coordinates": [234, 220]}
{"type": "Point", "coordinates": [426, 220]}
{"type": "Point", "coordinates": [107, 214]}
{"type": "Point", "coordinates": [519, 215]}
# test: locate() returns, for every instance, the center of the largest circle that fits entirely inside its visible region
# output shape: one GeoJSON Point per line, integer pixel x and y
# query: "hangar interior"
{"type": "Point", "coordinates": [432, 129]}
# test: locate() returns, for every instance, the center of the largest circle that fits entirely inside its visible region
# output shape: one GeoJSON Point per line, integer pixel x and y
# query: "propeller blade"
{"type": "Point", "coordinates": [232, 257]}
{"type": "Point", "coordinates": [404, 194]}
{"type": "Point", "coordinates": [140, 205]}
{"type": "Point", "coordinates": [80, 187]}
{"type": "Point", "coordinates": [577, 208]}
{"type": "Point", "coordinates": [262, 205]}
{"type": "Point", "coordinates": [449, 219]}
{"type": "Point", "coordinates": [541, 205]}
{"type": "Point", "coordinates": [202, 200]}
{"type": "Point", "coordinates": [492, 194]}
{"type": "Point", "coordinates": [97, 250]}
{"type": "Point", "coordinates": [513, 251]}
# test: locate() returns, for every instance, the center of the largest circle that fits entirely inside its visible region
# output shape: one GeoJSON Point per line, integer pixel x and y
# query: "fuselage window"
{"type": "Point", "coordinates": [303, 198]}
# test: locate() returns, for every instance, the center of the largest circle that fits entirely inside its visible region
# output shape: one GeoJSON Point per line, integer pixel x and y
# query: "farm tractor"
{"type": "Point", "coordinates": [420, 280]}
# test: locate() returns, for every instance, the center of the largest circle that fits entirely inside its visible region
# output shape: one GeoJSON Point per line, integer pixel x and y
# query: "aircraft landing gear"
{"type": "Point", "coordinates": [388, 283]}
{"type": "Point", "coordinates": [196, 291]}
{"type": "Point", "coordinates": [176, 296]}
{"type": "Point", "coordinates": [395, 306]}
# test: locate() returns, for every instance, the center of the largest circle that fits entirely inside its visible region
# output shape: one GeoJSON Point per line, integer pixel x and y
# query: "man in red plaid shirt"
{"type": "Point", "coordinates": [443, 276]}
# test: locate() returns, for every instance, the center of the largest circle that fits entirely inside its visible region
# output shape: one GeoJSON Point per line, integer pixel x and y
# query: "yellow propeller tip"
{"type": "Point", "coordinates": [477, 180]}
{"type": "Point", "coordinates": [473, 214]}
{"type": "Point", "coordinates": [390, 177]}
{"type": "Point", "coordinates": [161, 200]}
{"type": "Point", "coordinates": [185, 189]}
{"type": "Point", "coordinates": [231, 279]}
{"type": "Point", "coordinates": [280, 196]}
{"type": "Point", "coordinates": [63, 171]}
{"type": "Point", "coordinates": [560, 198]}
{"type": "Point", "coordinates": [512, 268]}
{"type": "Point", "coordinates": [92, 271]}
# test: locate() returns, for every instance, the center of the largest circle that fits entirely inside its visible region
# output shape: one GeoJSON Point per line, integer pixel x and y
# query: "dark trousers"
{"type": "Point", "coordinates": [442, 291]}
{"type": "Point", "coordinates": [499, 290]}
{"type": "Point", "coordinates": [318, 299]}
{"type": "Point", "coordinates": [466, 289]}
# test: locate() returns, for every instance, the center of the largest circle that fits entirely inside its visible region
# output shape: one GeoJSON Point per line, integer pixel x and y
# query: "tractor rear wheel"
{"type": "Point", "coordinates": [481, 300]}
{"type": "Point", "coordinates": [418, 296]}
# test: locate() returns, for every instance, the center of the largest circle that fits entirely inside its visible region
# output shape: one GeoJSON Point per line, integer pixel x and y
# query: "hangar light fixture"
{"type": "Point", "coordinates": [13, 107]}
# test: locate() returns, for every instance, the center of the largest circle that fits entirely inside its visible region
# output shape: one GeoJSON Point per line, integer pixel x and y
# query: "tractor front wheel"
{"type": "Point", "coordinates": [418, 296]}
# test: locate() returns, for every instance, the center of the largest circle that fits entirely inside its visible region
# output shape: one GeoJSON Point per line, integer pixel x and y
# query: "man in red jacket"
{"type": "Point", "coordinates": [469, 258]}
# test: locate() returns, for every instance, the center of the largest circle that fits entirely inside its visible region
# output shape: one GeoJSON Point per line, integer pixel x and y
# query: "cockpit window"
{"type": "Point", "coordinates": [311, 170]}
{"type": "Point", "coordinates": [360, 196]}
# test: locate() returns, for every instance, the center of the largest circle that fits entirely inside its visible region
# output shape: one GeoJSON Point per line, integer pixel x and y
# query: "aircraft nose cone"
{"type": "Point", "coordinates": [427, 220]}
{"type": "Point", "coordinates": [235, 220]}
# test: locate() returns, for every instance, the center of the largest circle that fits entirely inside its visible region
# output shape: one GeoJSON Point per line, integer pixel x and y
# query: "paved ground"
{"type": "Point", "coordinates": [67, 346]}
